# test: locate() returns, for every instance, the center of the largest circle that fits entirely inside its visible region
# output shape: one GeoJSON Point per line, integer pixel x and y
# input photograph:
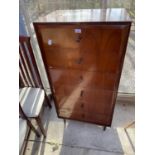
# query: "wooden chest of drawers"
{"type": "Point", "coordinates": [83, 52]}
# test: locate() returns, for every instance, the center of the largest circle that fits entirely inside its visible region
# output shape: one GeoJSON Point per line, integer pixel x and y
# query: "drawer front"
{"type": "Point", "coordinates": [72, 105]}
{"type": "Point", "coordinates": [83, 105]}
{"type": "Point", "coordinates": [90, 95]}
{"type": "Point", "coordinates": [59, 76]}
{"type": "Point", "coordinates": [75, 59]}
{"type": "Point", "coordinates": [56, 57]}
{"type": "Point", "coordinates": [63, 37]}
{"type": "Point", "coordinates": [71, 59]}
{"type": "Point", "coordinates": [108, 63]}
{"type": "Point", "coordinates": [75, 91]}
{"type": "Point", "coordinates": [92, 80]}
{"type": "Point", "coordinates": [101, 119]}
{"type": "Point", "coordinates": [76, 99]}
{"type": "Point", "coordinates": [69, 37]}
{"type": "Point", "coordinates": [83, 62]}
{"type": "Point", "coordinates": [69, 114]}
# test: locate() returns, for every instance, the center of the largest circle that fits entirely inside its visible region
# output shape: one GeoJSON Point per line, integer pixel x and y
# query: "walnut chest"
{"type": "Point", "coordinates": [83, 52]}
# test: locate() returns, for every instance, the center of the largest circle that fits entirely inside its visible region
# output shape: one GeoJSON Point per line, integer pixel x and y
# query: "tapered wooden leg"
{"type": "Point", "coordinates": [47, 101]}
{"type": "Point", "coordinates": [40, 124]}
{"type": "Point", "coordinates": [64, 123]}
{"type": "Point", "coordinates": [104, 128]}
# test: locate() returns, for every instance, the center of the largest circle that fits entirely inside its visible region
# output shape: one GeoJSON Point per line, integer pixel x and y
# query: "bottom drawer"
{"type": "Point", "coordinates": [86, 117]}
{"type": "Point", "coordinates": [88, 100]}
{"type": "Point", "coordinates": [80, 105]}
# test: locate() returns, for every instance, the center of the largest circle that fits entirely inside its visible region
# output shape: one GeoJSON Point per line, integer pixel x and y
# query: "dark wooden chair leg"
{"type": "Point", "coordinates": [48, 101]}
{"type": "Point", "coordinates": [33, 128]}
{"type": "Point", "coordinates": [28, 121]}
{"type": "Point", "coordinates": [40, 124]}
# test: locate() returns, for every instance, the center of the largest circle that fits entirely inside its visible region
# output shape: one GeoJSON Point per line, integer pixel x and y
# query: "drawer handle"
{"type": "Point", "coordinates": [78, 39]}
{"type": "Point", "coordinates": [82, 105]}
{"type": "Point", "coordinates": [82, 92]}
{"type": "Point", "coordinates": [79, 61]}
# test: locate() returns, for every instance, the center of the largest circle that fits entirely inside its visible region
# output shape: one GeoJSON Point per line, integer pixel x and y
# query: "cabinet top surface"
{"type": "Point", "coordinates": [87, 15]}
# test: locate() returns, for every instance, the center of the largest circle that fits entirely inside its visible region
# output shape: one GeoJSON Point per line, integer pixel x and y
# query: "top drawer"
{"type": "Point", "coordinates": [69, 37]}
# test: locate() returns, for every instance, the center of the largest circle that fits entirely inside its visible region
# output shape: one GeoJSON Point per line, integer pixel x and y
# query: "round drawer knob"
{"type": "Point", "coordinates": [81, 77]}
{"type": "Point", "coordinates": [79, 61]}
{"type": "Point", "coordinates": [82, 92]}
{"type": "Point", "coordinates": [78, 39]}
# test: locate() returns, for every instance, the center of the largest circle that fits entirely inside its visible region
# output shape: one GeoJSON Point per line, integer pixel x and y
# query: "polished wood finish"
{"type": "Point", "coordinates": [82, 78]}
{"type": "Point", "coordinates": [84, 61]}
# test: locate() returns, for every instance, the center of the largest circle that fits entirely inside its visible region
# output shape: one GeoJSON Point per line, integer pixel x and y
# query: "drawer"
{"type": "Point", "coordinates": [103, 108]}
{"type": "Point", "coordinates": [93, 117]}
{"type": "Point", "coordinates": [71, 59]}
{"type": "Point", "coordinates": [64, 37]}
{"type": "Point", "coordinates": [92, 80]}
{"type": "Point", "coordinates": [59, 76]}
{"type": "Point", "coordinates": [101, 119]}
{"type": "Point", "coordinates": [89, 95]}
{"type": "Point", "coordinates": [83, 61]}
{"type": "Point", "coordinates": [75, 105]}
{"type": "Point", "coordinates": [74, 98]}
{"type": "Point", "coordinates": [108, 63]}
{"type": "Point", "coordinates": [91, 107]}
{"type": "Point", "coordinates": [70, 36]}
{"type": "Point", "coordinates": [109, 54]}
{"type": "Point", "coordinates": [81, 115]}
{"type": "Point", "coordinates": [56, 57]}
{"type": "Point", "coordinates": [76, 91]}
